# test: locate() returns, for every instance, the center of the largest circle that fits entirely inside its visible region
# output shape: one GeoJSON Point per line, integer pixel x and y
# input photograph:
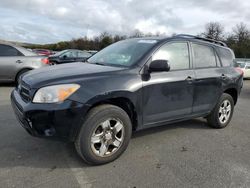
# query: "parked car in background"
{"type": "Point", "coordinates": [129, 86]}
{"type": "Point", "coordinates": [43, 52]}
{"type": "Point", "coordinates": [69, 56]}
{"type": "Point", "coordinates": [246, 71]}
{"type": "Point", "coordinates": [16, 60]}
{"type": "Point", "coordinates": [244, 65]}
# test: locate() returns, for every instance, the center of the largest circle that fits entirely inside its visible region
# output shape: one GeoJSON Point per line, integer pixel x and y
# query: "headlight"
{"type": "Point", "coordinates": [54, 94]}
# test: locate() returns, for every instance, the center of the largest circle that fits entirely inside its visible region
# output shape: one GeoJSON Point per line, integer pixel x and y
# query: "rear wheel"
{"type": "Point", "coordinates": [222, 114]}
{"type": "Point", "coordinates": [105, 135]}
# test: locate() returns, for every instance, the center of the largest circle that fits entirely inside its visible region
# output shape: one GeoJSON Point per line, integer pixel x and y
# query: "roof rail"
{"type": "Point", "coordinates": [201, 38]}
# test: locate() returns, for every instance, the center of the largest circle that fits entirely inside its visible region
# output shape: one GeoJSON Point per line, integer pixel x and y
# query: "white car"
{"type": "Point", "coordinates": [246, 70]}
{"type": "Point", "coordinates": [245, 67]}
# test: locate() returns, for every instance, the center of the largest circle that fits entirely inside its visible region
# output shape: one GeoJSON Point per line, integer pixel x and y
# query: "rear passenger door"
{"type": "Point", "coordinates": [207, 84]}
{"type": "Point", "coordinates": [9, 62]}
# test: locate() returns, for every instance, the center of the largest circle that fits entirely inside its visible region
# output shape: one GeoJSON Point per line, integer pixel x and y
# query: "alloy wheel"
{"type": "Point", "coordinates": [225, 111]}
{"type": "Point", "coordinates": [107, 138]}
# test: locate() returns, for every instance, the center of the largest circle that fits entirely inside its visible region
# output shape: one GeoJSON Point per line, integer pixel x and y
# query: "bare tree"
{"type": "Point", "coordinates": [103, 35]}
{"type": "Point", "coordinates": [239, 40]}
{"type": "Point", "coordinates": [136, 34]}
{"type": "Point", "coordinates": [214, 30]}
{"type": "Point", "coordinates": [241, 33]}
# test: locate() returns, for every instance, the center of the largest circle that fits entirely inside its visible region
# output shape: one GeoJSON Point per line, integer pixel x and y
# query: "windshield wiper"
{"type": "Point", "coordinates": [98, 63]}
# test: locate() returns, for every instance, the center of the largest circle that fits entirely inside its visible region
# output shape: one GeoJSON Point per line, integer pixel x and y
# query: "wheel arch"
{"type": "Point", "coordinates": [233, 92]}
{"type": "Point", "coordinates": [21, 70]}
{"type": "Point", "coordinates": [122, 102]}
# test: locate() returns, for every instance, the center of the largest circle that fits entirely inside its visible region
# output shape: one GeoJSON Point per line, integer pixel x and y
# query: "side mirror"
{"type": "Point", "coordinates": [159, 66]}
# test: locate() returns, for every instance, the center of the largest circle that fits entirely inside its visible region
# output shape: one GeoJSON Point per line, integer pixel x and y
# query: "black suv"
{"type": "Point", "coordinates": [129, 86]}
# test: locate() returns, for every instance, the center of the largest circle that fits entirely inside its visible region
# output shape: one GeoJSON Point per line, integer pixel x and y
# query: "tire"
{"type": "Point", "coordinates": [96, 129]}
{"type": "Point", "coordinates": [19, 74]}
{"type": "Point", "coordinates": [220, 117]}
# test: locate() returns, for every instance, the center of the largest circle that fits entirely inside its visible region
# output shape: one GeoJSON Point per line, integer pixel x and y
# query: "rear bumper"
{"type": "Point", "coordinates": [49, 120]}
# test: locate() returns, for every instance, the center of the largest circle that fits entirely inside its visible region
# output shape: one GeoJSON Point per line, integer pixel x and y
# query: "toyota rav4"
{"type": "Point", "coordinates": [129, 86]}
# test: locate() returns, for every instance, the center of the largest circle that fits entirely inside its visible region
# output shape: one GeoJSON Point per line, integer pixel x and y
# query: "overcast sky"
{"type": "Point", "coordinates": [48, 21]}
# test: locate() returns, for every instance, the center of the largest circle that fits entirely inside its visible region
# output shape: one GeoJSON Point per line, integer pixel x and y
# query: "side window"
{"type": "Point", "coordinates": [6, 50]}
{"type": "Point", "coordinates": [70, 54]}
{"type": "Point", "coordinates": [83, 54]}
{"type": "Point", "coordinates": [204, 56]}
{"type": "Point", "coordinates": [226, 56]}
{"type": "Point", "coordinates": [177, 55]}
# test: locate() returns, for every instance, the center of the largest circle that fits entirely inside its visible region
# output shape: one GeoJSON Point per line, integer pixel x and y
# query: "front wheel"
{"type": "Point", "coordinates": [105, 135]}
{"type": "Point", "coordinates": [222, 114]}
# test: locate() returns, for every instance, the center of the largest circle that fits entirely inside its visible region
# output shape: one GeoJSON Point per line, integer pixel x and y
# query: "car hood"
{"type": "Point", "coordinates": [66, 72]}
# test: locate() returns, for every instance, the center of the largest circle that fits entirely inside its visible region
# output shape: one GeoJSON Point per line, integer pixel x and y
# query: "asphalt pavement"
{"type": "Point", "coordinates": [187, 154]}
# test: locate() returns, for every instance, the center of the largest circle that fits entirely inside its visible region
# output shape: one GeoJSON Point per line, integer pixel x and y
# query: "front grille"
{"type": "Point", "coordinates": [24, 92]}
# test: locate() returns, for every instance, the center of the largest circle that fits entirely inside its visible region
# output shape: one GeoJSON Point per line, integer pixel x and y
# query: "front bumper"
{"type": "Point", "coordinates": [49, 120]}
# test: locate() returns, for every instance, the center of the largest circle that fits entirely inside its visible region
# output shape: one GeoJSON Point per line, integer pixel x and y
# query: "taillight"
{"type": "Point", "coordinates": [239, 70]}
{"type": "Point", "coordinates": [45, 61]}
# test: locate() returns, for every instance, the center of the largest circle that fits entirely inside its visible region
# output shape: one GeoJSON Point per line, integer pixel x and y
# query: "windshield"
{"type": "Point", "coordinates": [124, 53]}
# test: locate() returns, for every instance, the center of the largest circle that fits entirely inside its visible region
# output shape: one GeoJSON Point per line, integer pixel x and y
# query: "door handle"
{"type": "Point", "coordinates": [223, 76]}
{"type": "Point", "coordinates": [19, 61]}
{"type": "Point", "coordinates": [189, 78]}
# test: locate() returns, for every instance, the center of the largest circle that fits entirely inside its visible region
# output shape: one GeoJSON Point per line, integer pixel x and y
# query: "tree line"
{"type": "Point", "coordinates": [238, 39]}
{"type": "Point", "coordinates": [95, 43]}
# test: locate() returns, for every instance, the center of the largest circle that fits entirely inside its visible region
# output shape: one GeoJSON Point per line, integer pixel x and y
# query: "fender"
{"type": "Point", "coordinates": [25, 69]}
{"type": "Point", "coordinates": [107, 98]}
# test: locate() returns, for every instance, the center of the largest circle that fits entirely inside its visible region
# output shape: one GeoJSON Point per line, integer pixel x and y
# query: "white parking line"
{"type": "Point", "coordinates": [78, 172]}
{"type": "Point", "coordinates": [81, 177]}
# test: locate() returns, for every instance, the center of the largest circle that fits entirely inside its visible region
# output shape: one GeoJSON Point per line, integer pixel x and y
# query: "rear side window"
{"type": "Point", "coordinates": [83, 54]}
{"type": "Point", "coordinates": [226, 56]}
{"type": "Point", "coordinates": [177, 55]}
{"type": "Point", "coordinates": [204, 56]}
{"type": "Point", "coordinates": [6, 50]}
{"type": "Point", "coordinates": [69, 54]}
